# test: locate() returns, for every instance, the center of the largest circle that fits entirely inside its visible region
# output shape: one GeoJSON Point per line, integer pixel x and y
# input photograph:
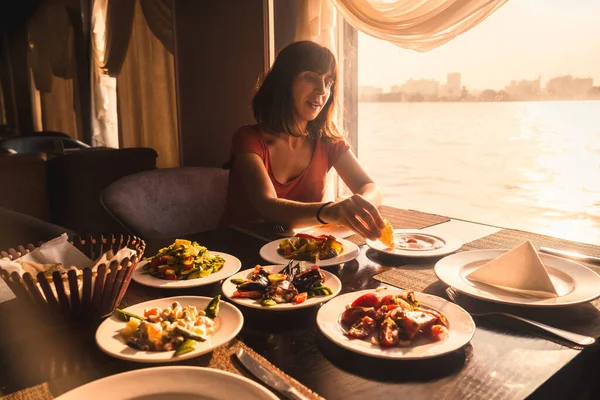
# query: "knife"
{"type": "Point", "coordinates": [267, 377]}
{"type": "Point", "coordinates": [570, 254]}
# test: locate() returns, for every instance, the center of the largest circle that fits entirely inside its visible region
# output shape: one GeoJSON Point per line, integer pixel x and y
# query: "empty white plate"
{"type": "Point", "coordinates": [421, 244]}
{"type": "Point", "coordinates": [172, 383]}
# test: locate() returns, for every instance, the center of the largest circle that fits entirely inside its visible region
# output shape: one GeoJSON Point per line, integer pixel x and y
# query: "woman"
{"type": "Point", "coordinates": [279, 166]}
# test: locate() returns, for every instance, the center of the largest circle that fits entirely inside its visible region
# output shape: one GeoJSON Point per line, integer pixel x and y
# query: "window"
{"type": "Point", "coordinates": [500, 126]}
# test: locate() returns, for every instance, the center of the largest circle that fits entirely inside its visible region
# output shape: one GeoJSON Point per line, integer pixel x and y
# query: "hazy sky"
{"type": "Point", "coordinates": [523, 39]}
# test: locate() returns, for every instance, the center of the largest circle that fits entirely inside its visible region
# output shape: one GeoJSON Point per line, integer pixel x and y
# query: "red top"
{"type": "Point", "coordinates": [309, 186]}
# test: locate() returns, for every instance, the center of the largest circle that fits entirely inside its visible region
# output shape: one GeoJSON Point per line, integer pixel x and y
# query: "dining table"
{"type": "Point", "coordinates": [505, 359]}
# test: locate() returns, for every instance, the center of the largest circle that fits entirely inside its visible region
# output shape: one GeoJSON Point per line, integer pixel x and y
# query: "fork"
{"type": "Point", "coordinates": [477, 311]}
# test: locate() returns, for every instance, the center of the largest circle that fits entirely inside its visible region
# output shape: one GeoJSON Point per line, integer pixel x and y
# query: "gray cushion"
{"type": "Point", "coordinates": [170, 202]}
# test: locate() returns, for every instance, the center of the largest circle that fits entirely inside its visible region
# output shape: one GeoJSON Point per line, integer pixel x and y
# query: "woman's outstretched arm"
{"type": "Point", "coordinates": [349, 212]}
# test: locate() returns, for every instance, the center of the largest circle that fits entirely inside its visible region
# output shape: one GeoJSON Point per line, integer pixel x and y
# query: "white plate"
{"type": "Point", "coordinates": [229, 322]}
{"type": "Point", "coordinates": [231, 266]}
{"type": "Point", "coordinates": [441, 245]}
{"type": "Point", "coordinates": [332, 282]}
{"type": "Point", "coordinates": [578, 283]}
{"type": "Point", "coordinates": [460, 328]}
{"type": "Point", "coordinates": [166, 383]}
{"type": "Point", "coordinates": [269, 253]}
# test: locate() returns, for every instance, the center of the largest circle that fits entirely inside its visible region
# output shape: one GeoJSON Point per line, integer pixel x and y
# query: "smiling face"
{"type": "Point", "coordinates": [298, 95]}
{"type": "Point", "coordinates": [310, 93]}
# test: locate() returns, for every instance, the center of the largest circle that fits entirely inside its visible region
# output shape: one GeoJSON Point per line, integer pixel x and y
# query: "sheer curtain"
{"type": "Point", "coordinates": [51, 61]}
{"type": "Point", "coordinates": [112, 22]}
{"type": "Point", "coordinates": [419, 25]}
{"type": "Point", "coordinates": [316, 22]}
{"type": "Point", "coordinates": [133, 77]}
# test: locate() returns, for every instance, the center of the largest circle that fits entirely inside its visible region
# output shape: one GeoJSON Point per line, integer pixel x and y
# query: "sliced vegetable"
{"type": "Point", "coordinates": [237, 281]}
{"type": "Point", "coordinates": [268, 303]}
{"type": "Point", "coordinates": [277, 278]}
{"type": "Point", "coordinates": [212, 309]}
{"type": "Point", "coordinates": [125, 315]}
{"type": "Point", "coordinates": [187, 346]}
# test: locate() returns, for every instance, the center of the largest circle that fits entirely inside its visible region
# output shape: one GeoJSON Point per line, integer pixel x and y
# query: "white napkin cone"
{"type": "Point", "coordinates": [519, 270]}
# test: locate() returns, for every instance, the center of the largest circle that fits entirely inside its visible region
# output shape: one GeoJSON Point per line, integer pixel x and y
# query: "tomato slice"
{"type": "Point", "coordinates": [300, 298]}
{"type": "Point", "coordinates": [367, 300]}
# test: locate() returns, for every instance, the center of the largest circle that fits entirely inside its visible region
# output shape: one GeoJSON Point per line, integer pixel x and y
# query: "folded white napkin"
{"type": "Point", "coordinates": [519, 270]}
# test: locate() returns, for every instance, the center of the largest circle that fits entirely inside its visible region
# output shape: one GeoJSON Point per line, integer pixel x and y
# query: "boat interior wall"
{"type": "Point", "coordinates": [219, 54]}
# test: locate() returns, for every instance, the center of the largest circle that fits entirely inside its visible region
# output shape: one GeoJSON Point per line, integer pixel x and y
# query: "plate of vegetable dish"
{"type": "Point", "coordinates": [282, 287]}
{"type": "Point", "coordinates": [185, 264]}
{"type": "Point", "coordinates": [323, 250]}
{"type": "Point", "coordinates": [395, 324]}
{"type": "Point", "coordinates": [169, 329]}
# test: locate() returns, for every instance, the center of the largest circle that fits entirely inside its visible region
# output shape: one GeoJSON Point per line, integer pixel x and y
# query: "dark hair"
{"type": "Point", "coordinates": [273, 104]}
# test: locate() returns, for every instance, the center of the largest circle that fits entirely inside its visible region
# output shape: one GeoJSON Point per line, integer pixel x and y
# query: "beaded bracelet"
{"type": "Point", "coordinates": [321, 209]}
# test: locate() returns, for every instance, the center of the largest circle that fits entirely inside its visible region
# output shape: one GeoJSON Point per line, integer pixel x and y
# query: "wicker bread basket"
{"type": "Point", "coordinates": [85, 296]}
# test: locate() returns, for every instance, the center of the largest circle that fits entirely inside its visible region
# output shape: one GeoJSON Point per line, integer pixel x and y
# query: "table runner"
{"type": "Point", "coordinates": [583, 319]}
{"type": "Point", "coordinates": [222, 358]}
{"type": "Point", "coordinates": [38, 392]}
{"type": "Point", "coordinates": [399, 218]}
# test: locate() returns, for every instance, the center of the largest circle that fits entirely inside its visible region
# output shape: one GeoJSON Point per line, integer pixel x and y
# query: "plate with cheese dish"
{"type": "Point", "coordinates": [395, 324]}
{"type": "Point", "coordinates": [323, 250]}
{"type": "Point", "coordinates": [414, 243]}
{"type": "Point", "coordinates": [169, 329]}
{"type": "Point", "coordinates": [185, 264]}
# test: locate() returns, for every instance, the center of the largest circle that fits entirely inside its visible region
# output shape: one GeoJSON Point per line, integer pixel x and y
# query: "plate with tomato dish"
{"type": "Point", "coordinates": [185, 264]}
{"type": "Point", "coordinates": [323, 250]}
{"type": "Point", "coordinates": [395, 324]}
{"type": "Point", "coordinates": [282, 287]}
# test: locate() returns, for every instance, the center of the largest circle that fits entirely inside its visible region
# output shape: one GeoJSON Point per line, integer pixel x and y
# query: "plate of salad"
{"type": "Point", "coordinates": [282, 287]}
{"type": "Point", "coordinates": [185, 264]}
{"type": "Point", "coordinates": [169, 329]}
{"type": "Point", "coordinates": [323, 250]}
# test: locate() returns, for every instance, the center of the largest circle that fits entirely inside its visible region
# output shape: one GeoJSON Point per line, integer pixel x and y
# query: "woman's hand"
{"type": "Point", "coordinates": [356, 213]}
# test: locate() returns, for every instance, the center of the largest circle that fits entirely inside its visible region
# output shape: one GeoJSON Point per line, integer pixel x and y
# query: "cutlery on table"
{"type": "Point", "coordinates": [268, 377]}
{"type": "Point", "coordinates": [570, 254]}
{"type": "Point", "coordinates": [477, 310]}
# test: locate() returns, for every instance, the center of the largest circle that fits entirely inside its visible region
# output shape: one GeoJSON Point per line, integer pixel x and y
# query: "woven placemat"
{"type": "Point", "coordinates": [403, 219]}
{"type": "Point", "coordinates": [38, 392]}
{"type": "Point", "coordinates": [583, 318]}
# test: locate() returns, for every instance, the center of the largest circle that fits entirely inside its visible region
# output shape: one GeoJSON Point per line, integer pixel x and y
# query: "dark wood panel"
{"type": "Point", "coordinates": [218, 59]}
